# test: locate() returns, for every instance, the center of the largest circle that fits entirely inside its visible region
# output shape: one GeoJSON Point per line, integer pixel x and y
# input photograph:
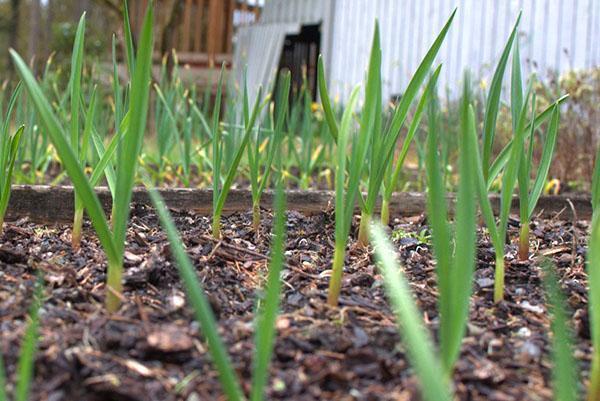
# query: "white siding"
{"type": "Point", "coordinates": [265, 40]}
{"type": "Point", "coordinates": [554, 35]}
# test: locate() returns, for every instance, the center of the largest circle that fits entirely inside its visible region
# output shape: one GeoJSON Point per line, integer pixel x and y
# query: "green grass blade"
{"type": "Point", "coordinates": [414, 125]}
{"type": "Point", "coordinates": [413, 87]}
{"type": "Point", "coordinates": [330, 115]}
{"type": "Point", "coordinates": [596, 183]}
{"type": "Point", "coordinates": [383, 147]}
{"type": "Point", "coordinates": [516, 86]}
{"type": "Point", "coordinates": [4, 133]}
{"type": "Point", "coordinates": [370, 120]}
{"type": "Point", "coordinates": [129, 152]}
{"type": "Point", "coordinates": [233, 168]}
{"type": "Point", "coordinates": [68, 158]}
{"type": "Point", "coordinates": [174, 129]}
{"type": "Point", "coordinates": [502, 158]}
{"type": "Point", "coordinates": [512, 168]}
{"type": "Point", "coordinates": [89, 117]}
{"type": "Point", "coordinates": [281, 111]}
{"type": "Point", "coordinates": [593, 271]}
{"type": "Point", "coordinates": [418, 343]}
{"type": "Point", "coordinates": [493, 101]}
{"type": "Point", "coordinates": [200, 116]}
{"type": "Point", "coordinates": [199, 302]}
{"type": "Point", "coordinates": [3, 396]}
{"type": "Point", "coordinates": [524, 178]}
{"type": "Point", "coordinates": [325, 102]}
{"type": "Point", "coordinates": [463, 264]}
{"type": "Point", "coordinates": [482, 192]}
{"type": "Point", "coordinates": [216, 139]}
{"type": "Point", "coordinates": [116, 85]}
{"type": "Point", "coordinates": [29, 347]}
{"type": "Point", "coordinates": [564, 372]}
{"type": "Point", "coordinates": [129, 51]}
{"type": "Point", "coordinates": [268, 310]}
{"type": "Point", "coordinates": [75, 82]}
{"type": "Point", "coordinates": [7, 172]}
{"type": "Point", "coordinates": [498, 164]}
{"type": "Point", "coordinates": [105, 166]}
{"type": "Point", "coordinates": [437, 217]}
{"type": "Point", "coordinates": [342, 216]}
{"type": "Point", "coordinates": [544, 168]}
{"type": "Point", "coordinates": [138, 107]}
{"type": "Point", "coordinates": [342, 225]}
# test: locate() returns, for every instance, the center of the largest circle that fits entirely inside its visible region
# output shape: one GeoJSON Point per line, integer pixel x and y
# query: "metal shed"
{"type": "Point", "coordinates": [555, 35]}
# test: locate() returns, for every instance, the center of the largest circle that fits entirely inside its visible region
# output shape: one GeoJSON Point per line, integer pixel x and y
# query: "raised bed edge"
{"type": "Point", "coordinates": [54, 204]}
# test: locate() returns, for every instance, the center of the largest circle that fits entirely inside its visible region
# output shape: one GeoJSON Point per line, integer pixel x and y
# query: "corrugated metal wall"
{"type": "Point", "coordinates": [554, 35]}
{"type": "Point", "coordinates": [259, 46]}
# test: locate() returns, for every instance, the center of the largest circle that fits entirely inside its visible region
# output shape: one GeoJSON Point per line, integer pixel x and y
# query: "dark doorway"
{"type": "Point", "coordinates": [300, 53]}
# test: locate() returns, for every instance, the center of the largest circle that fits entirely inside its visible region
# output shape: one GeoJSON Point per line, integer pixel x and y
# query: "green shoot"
{"type": "Point", "coordinates": [75, 85]}
{"type": "Point", "coordinates": [217, 149]}
{"type": "Point", "coordinates": [593, 271]}
{"type": "Point", "coordinates": [345, 198]}
{"type": "Point", "coordinates": [27, 353]}
{"type": "Point", "coordinates": [9, 146]}
{"type": "Point", "coordinates": [29, 346]}
{"type": "Point", "coordinates": [259, 158]}
{"type": "Point", "coordinates": [502, 158]}
{"type": "Point", "coordinates": [267, 311]}
{"type": "Point", "coordinates": [393, 180]}
{"type": "Point", "coordinates": [85, 145]}
{"type": "Point", "coordinates": [433, 381]}
{"type": "Point", "coordinates": [455, 255]}
{"type": "Point", "coordinates": [128, 39]}
{"type": "Point", "coordinates": [129, 151]}
{"type": "Point", "coordinates": [498, 232]}
{"type": "Point", "coordinates": [527, 200]}
{"type": "Point", "coordinates": [203, 311]}
{"type": "Point", "coordinates": [493, 102]}
{"type": "Point", "coordinates": [511, 166]}
{"type": "Point", "coordinates": [596, 183]}
{"type": "Point", "coordinates": [564, 373]}
{"type": "Point", "coordinates": [220, 192]}
{"type": "Point", "coordinates": [112, 242]}
{"type": "Point", "coordinates": [383, 145]}
{"type": "Point", "coordinates": [325, 100]}
{"type": "Point", "coordinates": [307, 141]}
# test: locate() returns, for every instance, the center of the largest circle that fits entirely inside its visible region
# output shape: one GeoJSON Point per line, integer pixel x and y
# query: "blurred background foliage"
{"type": "Point", "coordinates": [39, 28]}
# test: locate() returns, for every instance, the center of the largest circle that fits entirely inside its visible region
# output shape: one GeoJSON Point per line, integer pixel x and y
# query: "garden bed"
{"type": "Point", "coordinates": [152, 349]}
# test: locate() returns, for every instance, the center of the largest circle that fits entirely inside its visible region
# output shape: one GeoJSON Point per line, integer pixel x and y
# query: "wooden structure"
{"type": "Point", "coordinates": [49, 204]}
{"type": "Point", "coordinates": [201, 31]}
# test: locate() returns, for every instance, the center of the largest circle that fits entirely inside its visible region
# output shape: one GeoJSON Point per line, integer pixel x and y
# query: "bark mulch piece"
{"type": "Point", "coordinates": [152, 349]}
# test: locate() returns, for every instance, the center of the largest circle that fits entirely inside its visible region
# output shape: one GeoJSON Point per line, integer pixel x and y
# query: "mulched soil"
{"type": "Point", "coordinates": [152, 349]}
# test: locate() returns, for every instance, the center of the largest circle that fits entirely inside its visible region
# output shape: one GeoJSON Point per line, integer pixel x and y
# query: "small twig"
{"type": "Point", "coordinates": [143, 314]}
{"type": "Point", "coordinates": [215, 249]}
{"type": "Point", "coordinates": [256, 254]}
{"type": "Point", "coordinates": [234, 247]}
{"type": "Point", "coordinates": [117, 294]}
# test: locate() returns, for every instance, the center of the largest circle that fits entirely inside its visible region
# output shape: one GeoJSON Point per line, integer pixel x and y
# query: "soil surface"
{"type": "Point", "coordinates": [152, 348]}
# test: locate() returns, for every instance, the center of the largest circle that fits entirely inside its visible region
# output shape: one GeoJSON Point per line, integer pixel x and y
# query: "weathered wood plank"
{"type": "Point", "coordinates": [47, 204]}
{"type": "Point", "coordinates": [187, 24]}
